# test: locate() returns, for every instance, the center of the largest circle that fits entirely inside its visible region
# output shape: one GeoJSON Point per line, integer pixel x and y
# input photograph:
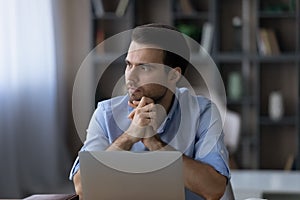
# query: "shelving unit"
{"type": "Point", "coordinates": [106, 22]}
{"type": "Point", "coordinates": [279, 140]}
{"type": "Point", "coordinates": [234, 55]}
{"type": "Point", "coordinates": [105, 25]}
{"type": "Point", "coordinates": [264, 143]}
{"type": "Point", "coordinates": [191, 18]}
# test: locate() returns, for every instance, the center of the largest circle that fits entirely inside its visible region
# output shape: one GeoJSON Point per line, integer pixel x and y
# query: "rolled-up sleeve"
{"type": "Point", "coordinates": [74, 169]}
{"type": "Point", "coordinates": [210, 147]}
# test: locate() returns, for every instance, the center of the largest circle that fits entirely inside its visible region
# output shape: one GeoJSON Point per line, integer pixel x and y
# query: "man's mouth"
{"type": "Point", "coordinates": [135, 93]}
{"type": "Point", "coordinates": [132, 90]}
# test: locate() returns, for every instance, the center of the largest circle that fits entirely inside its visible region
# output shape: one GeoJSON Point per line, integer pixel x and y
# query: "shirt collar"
{"type": "Point", "coordinates": [162, 127]}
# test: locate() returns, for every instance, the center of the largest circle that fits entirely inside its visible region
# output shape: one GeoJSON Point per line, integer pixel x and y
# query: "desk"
{"type": "Point", "coordinates": [50, 197]}
{"type": "Point", "coordinates": [254, 183]}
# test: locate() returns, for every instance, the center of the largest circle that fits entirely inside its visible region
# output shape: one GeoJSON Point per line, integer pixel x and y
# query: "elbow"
{"type": "Point", "coordinates": [214, 195]}
{"type": "Point", "coordinates": [215, 192]}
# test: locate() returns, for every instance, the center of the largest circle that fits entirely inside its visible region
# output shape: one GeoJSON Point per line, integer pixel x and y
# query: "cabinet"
{"type": "Point", "coordinates": [250, 75]}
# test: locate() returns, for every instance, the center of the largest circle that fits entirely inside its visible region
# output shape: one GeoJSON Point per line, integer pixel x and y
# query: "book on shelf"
{"type": "Point", "coordinates": [121, 8]}
{"type": "Point", "coordinates": [262, 41]}
{"type": "Point", "coordinates": [186, 7]}
{"type": "Point", "coordinates": [267, 42]}
{"type": "Point", "coordinates": [273, 42]}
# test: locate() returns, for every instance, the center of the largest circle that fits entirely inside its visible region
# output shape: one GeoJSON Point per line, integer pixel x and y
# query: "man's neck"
{"type": "Point", "coordinates": [167, 101]}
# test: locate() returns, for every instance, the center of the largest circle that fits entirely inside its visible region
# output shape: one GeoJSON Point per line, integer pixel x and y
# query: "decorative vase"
{"type": "Point", "coordinates": [234, 86]}
{"type": "Point", "coordinates": [276, 105]}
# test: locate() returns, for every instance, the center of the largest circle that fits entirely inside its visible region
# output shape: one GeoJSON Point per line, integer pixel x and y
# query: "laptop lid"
{"type": "Point", "coordinates": [113, 175]}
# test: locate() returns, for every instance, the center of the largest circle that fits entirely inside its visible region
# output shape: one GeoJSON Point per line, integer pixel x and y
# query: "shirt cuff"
{"type": "Point", "coordinates": [74, 169]}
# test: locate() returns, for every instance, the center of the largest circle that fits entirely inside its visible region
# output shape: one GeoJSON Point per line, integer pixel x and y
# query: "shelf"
{"type": "Point", "coordinates": [192, 16]}
{"type": "Point", "coordinates": [108, 16]}
{"type": "Point", "coordinates": [230, 57]}
{"type": "Point", "coordinates": [285, 57]}
{"type": "Point", "coordinates": [238, 57]}
{"type": "Point", "coordinates": [241, 102]}
{"type": "Point", "coordinates": [287, 120]}
{"type": "Point", "coordinates": [276, 15]}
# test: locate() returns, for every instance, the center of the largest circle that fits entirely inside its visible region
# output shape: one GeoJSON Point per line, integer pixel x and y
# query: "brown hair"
{"type": "Point", "coordinates": [169, 39]}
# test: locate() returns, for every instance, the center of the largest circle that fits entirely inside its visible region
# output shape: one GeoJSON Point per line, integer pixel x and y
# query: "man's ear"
{"type": "Point", "coordinates": [175, 74]}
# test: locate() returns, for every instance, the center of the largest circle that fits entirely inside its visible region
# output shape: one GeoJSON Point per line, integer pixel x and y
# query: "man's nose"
{"type": "Point", "coordinates": [132, 73]}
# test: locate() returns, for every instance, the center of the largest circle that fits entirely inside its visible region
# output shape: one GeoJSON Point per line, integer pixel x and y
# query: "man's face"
{"type": "Point", "coordinates": [145, 73]}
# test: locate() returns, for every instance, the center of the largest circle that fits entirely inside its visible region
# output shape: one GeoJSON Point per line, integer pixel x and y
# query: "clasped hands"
{"type": "Point", "coordinates": [146, 118]}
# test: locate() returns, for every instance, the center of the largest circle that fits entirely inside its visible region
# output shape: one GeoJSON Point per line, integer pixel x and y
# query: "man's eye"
{"type": "Point", "coordinates": [128, 66]}
{"type": "Point", "coordinates": [145, 67]}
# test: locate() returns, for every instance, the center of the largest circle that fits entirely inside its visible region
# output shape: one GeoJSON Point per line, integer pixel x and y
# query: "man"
{"type": "Point", "coordinates": [156, 115]}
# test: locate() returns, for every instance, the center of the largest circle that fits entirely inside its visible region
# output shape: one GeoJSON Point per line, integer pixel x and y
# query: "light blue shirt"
{"type": "Point", "coordinates": [193, 126]}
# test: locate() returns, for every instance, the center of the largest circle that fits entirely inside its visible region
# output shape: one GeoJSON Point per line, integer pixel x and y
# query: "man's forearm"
{"type": "Point", "coordinates": [203, 179]}
{"type": "Point", "coordinates": [124, 142]}
{"type": "Point", "coordinates": [77, 184]}
{"type": "Point", "coordinates": [154, 143]}
{"type": "Point", "coordinates": [198, 177]}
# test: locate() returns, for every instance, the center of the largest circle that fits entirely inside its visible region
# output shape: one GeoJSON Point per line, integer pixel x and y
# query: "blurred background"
{"type": "Point", "coordinates": [255, 45]}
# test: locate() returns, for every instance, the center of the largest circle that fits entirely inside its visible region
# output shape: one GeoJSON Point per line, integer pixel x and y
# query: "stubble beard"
{"type": "Point", "coordinates": [156, 99]}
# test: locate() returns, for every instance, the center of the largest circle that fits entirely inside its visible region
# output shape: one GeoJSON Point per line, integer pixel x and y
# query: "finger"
{"type": "Point", "coordinates": [131, 115]}
{"type": "Point", "coordinates": [142, 103]}
{"type": "Point", "coordinates": [148, 119]}
{"type": "Point", "coordinates": [153, 120]}
{"type": "Point", "coordinates": [145, 101]}
{"type": "Point", "coordinates": [139, 110]}
{"type": "Point", "coordinates": [141, 122]}
{"type": "Point", "coordinates": [145, 121]}
{"type": "Point", "coordinates": [148, 108]}
{"type": "Point", "coordinates": [142, 112]}
{"type": "Point", "coordinates": [144, 115]}
{"type": "Point", "coordinates": [132, 104]}
{"type": "Point", "coordinates": [136, 103]}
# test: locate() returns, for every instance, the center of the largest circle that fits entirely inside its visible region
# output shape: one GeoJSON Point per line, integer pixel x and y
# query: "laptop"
{"type": "Point", "coordinates": [125, 175]}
